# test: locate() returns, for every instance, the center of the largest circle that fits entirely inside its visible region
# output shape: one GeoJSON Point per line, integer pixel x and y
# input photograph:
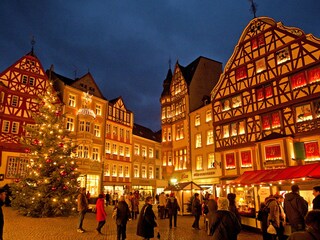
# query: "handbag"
{"type": "Point", "coordinates": [271, 229]}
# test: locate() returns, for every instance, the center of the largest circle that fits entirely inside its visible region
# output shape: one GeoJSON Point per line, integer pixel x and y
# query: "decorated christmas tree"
{"type": "Point", "coordinates": [49, 186]}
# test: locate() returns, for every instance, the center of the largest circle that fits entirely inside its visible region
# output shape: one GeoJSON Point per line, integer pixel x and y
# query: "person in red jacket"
{"type": "Point", "coordinates": [100, 213]}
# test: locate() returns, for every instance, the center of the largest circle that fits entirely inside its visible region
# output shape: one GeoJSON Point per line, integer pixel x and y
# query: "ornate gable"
{"type": "Point", "coordinates": [87, 84]}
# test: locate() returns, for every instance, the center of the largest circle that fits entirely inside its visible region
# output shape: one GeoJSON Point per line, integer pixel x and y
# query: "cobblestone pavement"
{"type": "Point", "coordinates": [17, 227]}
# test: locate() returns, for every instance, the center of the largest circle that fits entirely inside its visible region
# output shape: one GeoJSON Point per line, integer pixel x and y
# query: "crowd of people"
{"type": "Point", "coordinates": [220, 214]}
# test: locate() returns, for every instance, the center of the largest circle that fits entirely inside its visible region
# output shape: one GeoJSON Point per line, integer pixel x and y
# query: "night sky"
{"type": "Point", "coordinates": [126, 44]}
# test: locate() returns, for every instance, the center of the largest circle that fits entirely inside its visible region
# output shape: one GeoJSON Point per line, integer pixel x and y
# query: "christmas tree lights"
{"type": "Point", "coordinates": [49, 187]}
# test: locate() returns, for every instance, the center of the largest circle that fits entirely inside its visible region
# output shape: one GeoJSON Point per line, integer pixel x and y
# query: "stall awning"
{"type": "Point", "coordinates": [183, 186]}
{"type": "Point", "coordinates": [273, 175]}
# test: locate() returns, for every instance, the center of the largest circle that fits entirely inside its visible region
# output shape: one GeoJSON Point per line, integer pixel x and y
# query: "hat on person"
{"type": "Point", "coordinates": [295, 188]}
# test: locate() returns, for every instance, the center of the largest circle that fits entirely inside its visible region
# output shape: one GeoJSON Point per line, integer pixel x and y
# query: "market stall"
{"type": "Point", "coordinates": [183, 192]}
{"type": "Point", "coordinates": [252, 187]}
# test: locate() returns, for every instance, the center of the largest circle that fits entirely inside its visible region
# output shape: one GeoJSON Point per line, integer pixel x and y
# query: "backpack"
{"type": "Point", "coordinates": [263, 212]}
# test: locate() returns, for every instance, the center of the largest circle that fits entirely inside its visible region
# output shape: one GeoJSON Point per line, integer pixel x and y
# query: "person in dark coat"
{"type": "Point", "coordinates": [225, 224]}
{"type": "Point", "coordinates": [196, 211]}
{"type": "Point", "coordinates": [147, 220]}
{"type": "Point", "coordinates": [316, 200]}
{"type": "Point", "coordinates": [232, 205]}
{"type": "Point", "coordinates": [173, 208]}
{"type": "Point", "coordinates": [264, 220]}
{"type": "Point", "coordinates": [295, 208]}
{"type": "Point", "coordinates": [107, 199]}
{"type": "Point", "coordinates": [123, 215]}
{"type": "Point", "coordinates": [212, 207]}
{"type": "Point", "coordinates": [2, 199]}
{"type": "Point", "coordinates": [313, 227]}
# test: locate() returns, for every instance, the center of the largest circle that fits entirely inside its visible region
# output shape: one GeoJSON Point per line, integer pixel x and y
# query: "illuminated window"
{"type": "Point", "coordinates": [80, 151]}
{"type": "Point", "coordinates": [209, 137]}
{"type": "Point", "coordinates": [14, 101]}
{"type": "Point", "coordinates": [81, 126]}
{"type": "Point", "coordinates": [264, 92]}
{"type": "Point", "coordinates": [169, 159]}
{"type": "Point", "coordinates": [143, 172]}
{"type": "Point", "coordinates": [199, 163]}
{"type": "Point", "coordinates": [95, 154]}
{"type": "Point", "coordinates": [151, 175]}
{"type": "Point", "coordinates": [241, 129]}
{"type": "Point", "coordinates": [108, 129]}
{"type": "Point", "coordinates": [234, 130]}
{"type": "Point", "coordinates": [273, 152]}
{"type": "Point", "coordinates": [169, 134]}
{"type": "Point", "coordinates": [98, 110]}
{"type": "Point", "coordinates": [108, 147]}
{"type": "Point", "coordinates": [5, 126]}
{"type": "Point", "coordinates": [298, 80]}
{"type": "Point", "coordinates": [241, 72]}
{"type": "Point", "coordinates": [127, 134]}
{"type": "Point", "coordinates": [197, 120]}
{"type": "Point", "coordinates": [15, 127]}
{"type": "Point", "coordinates": [314, 75]}
{"type": "Point", "coordinates": [107, 172]}
{"type": "Point", "coordinates": [283, 56]}
{"type": "Point", "coordinates": [208, 116]}
{"type": "Point", "coordinates": [115, 131]}
{"type": "Point", "coordinates": [143, 151]}
{"type": "Point", "coordinates": [136, 149]}
{"type": "Point", "coordinates": [114, 149]}
{"type": "Point", "coordinates": [164, 135]}
{"type": "Point", "coordinates": [225, 105]}
{"type": "Point", "coordinates": [97, 130]}
{"type": "Point", "coordinates": [121, 133]}
{"type": "Point", "coordinates": [114, 170]}
{"type": "Point", "coordinates": [211, 160]}
{"type": "Point", "coordinates": [120, 171]}
{"type": "Point", "coordinates": [70, 124]}
{"type": "Point", "coordinates": [236, 101]}
{"type": "Point", "coordinates": [164, 159]}
{"type": "Point", "coordinates": [257, 42]}
{"type": "Point", "coordinates": [72, 100]}
{"type": "Point", "coordinates": [88, 126]}
{"type": "Point", "coordinates": [16, 167]}
{"type": "Point", "coordinates": [92, 182]}
{"type": "Point", "coordinates": [271, 121]}
{"type": "Point", "coordinates": [226, 131]}
{"type": "Point", "coordinates": [127, 152]}
{"type": "Point", "coordinates": [260, 65]}
{"type": "Point", "coordinates": [151, 153]}
{"type": "Point", "coordinates": [85, 152]}
{"type": "Point", "coordinates": [121, 151]}
{"type": "Point", "coordinates": [303, 113]}
{"type": "Point", "coordinates": [136, 171]}
{"type": "Point", "coordinates": [126, 171]}
{"type": "Point", "coordinates": [198, 140]}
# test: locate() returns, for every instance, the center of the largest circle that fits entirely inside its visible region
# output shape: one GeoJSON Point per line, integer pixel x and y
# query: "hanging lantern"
{"type": "Point", "coordinates": [61, 144]}
{"type": "Point", "coordinates": [48, 160]}
{"type": "Point", "coordinates": [36, 141]}
{"type": "Point", "coordinates": [53, 188]}
{"type": "Point", "coordinates": [27, 150]}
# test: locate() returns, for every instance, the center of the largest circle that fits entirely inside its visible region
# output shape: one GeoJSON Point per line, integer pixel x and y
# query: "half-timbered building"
{"type": "Point", "coordinates": [20, 84]}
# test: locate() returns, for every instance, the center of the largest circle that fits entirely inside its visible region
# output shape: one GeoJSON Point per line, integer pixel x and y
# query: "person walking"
{"type": "Point", "coordinates": [147, 220]}
{"type": "Point", "coordinates": [162, 205]}
{"type": "Point", "coordinates": [135, 207]}
{"type": "Point", "coordinates": [82, 208]}
{"type": "Point", "coordinates": [107, 199]}
{"type": "Point", "coordinates": [276, 216]}
{"type": "Point", "coordinates": [316, 200]}
{"type": "Point", "coordinates": [313, 227]}
{"type": "Point", "coordinates": [173, 208]}
{"type": "Point", "coordinates": [101, 214]}
{"type": "Point", "coordinates": [296, 208]}
{"type": "Point", "coordinates": [123, 216]}
{"type": "Point", "coordinates": [212, 208]}
{"type": "Point", "coordinates": [2, 200]}
{"type": "Point", "coordinates": [225, 224]}
{"type": "Point", "coordinates": [196, 211]}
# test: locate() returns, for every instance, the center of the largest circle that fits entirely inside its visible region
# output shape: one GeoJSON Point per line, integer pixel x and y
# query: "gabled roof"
{"type": "Point", "coordinates": [119, 103]}
{"type": "Point", "coordinates": [76, 82]}
{"type": "Point", "coordinates": [166, 84]}
{"type": "Point", "coordinates": [145, 132]}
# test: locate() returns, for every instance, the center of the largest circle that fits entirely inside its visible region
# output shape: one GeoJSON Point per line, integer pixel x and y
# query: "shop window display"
{"type": "Point", "coordinates": [245, 201]}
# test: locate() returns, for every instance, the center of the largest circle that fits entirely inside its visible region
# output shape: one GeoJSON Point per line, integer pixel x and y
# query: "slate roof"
{"type": "Point", "coordinates": [145, 132]}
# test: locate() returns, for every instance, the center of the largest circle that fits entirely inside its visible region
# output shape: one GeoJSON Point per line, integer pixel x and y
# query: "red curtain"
{"type": "Point", "coordinates": [266, 122]}
{"type": "Point", "coordinates": [314, 75]}
{"type": "Point", "coordinates": [273, 152]}
{"type": "Point", "coordinates": [254, 44]}
{"type": "Point", "coordinates": [260, 94]}
{"type": "Point", "coordinates": [230, 161]}
{"type": "Point", "coordinates": [312, 149]}
{"type": "Point", "coordinates": [275, 119]}
{"type": "Point", "coordinates": [298, 80]}
{"type": "Point", "coordinates": [241, 73]}
{"type": "Point", "coordinates": [268, 91]}
{"type": "Point", "coordinates": [246, 158]}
